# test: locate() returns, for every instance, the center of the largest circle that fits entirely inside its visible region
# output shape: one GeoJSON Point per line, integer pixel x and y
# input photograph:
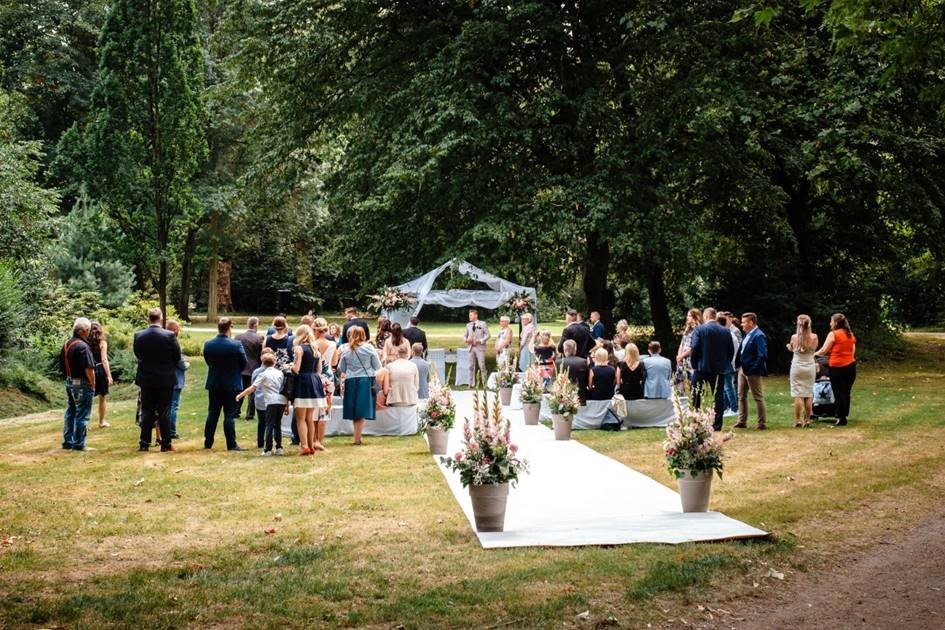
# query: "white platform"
{"type": "Point", "coordinates": [396, 421]}
{"type": "Point", "coordinates": [574, 496]}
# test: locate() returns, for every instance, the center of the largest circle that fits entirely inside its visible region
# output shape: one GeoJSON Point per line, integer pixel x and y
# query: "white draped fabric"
{"type": "Point", "coordinates": [499, 290]}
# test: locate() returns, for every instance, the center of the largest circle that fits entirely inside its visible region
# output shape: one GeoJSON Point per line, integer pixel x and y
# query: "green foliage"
{"type": "Point", "coordinates": [25, 205]}
{"type": "Point", "coordinates": [83, 255]}
{"type": "Point", "coordinates": [14, 313]}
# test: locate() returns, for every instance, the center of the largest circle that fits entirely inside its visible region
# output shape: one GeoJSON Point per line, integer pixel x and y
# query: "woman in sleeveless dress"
{"type": "Point", "coordinates": [390, 351]}
{"type": "Point", "coordinates": [840, 346]}
{"type": "Point", "coordinates": [632, 373]}
{"type": "Point", "coordinates": [602, 379]}
{"type": "Point", "coordinates": [545, 354]}
{"type": "Point", "coordinates": [327, 349]}
{"type": "Point", "coordinates": [803, 370]}
{"type": "Point", "coordinates": [526, 342]}
{"type": "Point", "coordinates": [103, 371]}
{"type": "Point", "coordinates": [503, 341]}
{"type": "Point", "coordinates": [309, 394]}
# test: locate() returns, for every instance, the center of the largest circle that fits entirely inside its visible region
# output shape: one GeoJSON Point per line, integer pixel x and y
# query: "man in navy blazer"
{"type": "Point", "coordinates": [711, 355]}
{"type": "Point", "coordinates": [751, 361]}
{"type": "Point", "coordinates": [158, 354]}
{"type": "Point", "coordinates": [226, 359]}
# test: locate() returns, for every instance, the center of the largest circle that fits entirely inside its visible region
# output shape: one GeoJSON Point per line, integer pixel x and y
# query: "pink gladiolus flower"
{"type": "Point", "coordinates": [458, 456]}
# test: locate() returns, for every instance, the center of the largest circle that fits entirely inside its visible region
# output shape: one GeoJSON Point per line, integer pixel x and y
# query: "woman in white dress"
{"type": "Point", "coordinates": [803, 370]}
{"type": "Point", "coordinates": [503, 341]}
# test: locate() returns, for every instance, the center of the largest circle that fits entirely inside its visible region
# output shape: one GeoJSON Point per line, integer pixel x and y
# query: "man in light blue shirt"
{"type": "Point", "coordinates": [659, 371]}
{"type": "Point", "coordinates": [423, 367]}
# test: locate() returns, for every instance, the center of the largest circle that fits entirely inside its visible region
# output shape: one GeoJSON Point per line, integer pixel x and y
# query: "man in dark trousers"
{"type": "Point", "coordinates": [712, 353]}
{"type": "Point", "coordinates": [226, 359]}
{"type": "Point", "coordinates": [351, 314]}
{"type": "Point", "coordinates": [78, 368]}
{"type": "Point", "coordinates": [414, 334]}
{"type": "Point", "coordinates": [158, 355]}
{"type": "Point", "coordinates": [252, 346]}
{"type": "Point", "coordinates": [576, 367]}
{"type": "Point", "coordinates": [579, 332]}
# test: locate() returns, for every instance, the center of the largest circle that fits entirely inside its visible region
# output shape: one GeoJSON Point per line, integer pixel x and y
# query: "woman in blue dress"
{"type": "Point", "coordinates": [357, 366]}
{"type": "Point", "coordinates": [309, 394]}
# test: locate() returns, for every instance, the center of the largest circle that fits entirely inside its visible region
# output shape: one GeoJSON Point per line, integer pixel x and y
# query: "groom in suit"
{"type": "Point", "coordinates": [712, 352]}
{"type": "Point", "coordinates": [477, 333]}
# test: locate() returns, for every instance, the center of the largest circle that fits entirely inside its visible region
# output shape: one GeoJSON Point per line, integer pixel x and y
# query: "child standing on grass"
{"type": "Point", "coordinates": [260, 405]}
{"type": "Point", "coordinates": [267, 385]}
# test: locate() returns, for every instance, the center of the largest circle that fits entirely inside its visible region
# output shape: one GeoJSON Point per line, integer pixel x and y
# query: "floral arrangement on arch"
{"type": "Point", "coordinates": [391, 299]}
{"type": "Point", "coordinates": [691, 443]}
{"type": "Point", "coordinates": [519, 303]}
{"type": "Point", "coordinates": [564, 399]}
{"type": "Point", "coordinates": [533, 385]}
{"type": "Point", "coordinates": [440, 410]}
{"type": "Point", "coordinates": [507, 376]}
{"type": "Point", "coordinates": [488, 456]}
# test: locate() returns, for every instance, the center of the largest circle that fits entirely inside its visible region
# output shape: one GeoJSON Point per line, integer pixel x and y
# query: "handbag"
{"type": "Point", "coordinates": [288, 385]}
{"type": "Point", "coordinates": [618, 405]}
{"type": "Point", "coordinates": [611, 421]}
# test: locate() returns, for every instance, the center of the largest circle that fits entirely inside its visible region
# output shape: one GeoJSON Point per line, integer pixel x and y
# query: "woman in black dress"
{"type": "Point", "coordinates": [103, 372]}
{"type": "Point", "coordinates": [602, 380]}
{"type": "Point", "coordinates": [309, 392]}
{"type": "Point", "coordinates": [632, 373]}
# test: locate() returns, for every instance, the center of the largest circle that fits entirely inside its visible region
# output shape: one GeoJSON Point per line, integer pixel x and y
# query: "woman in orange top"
{"type": "Point", "coordinates": [841, 346]}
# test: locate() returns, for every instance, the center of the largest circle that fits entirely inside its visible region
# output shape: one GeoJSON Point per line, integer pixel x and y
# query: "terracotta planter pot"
{"type": "Point", "coordinates": [488, 503]}
{"type": "Point", "coordinates": [531, 411]}
{"type": "Point", "coordinates": [562, 426]}
{"type": "Point", "coordinates": [436, 439]}
{"type": "Point", "coordinates": [694, 491]}
{"type": "Point", "coordinates": [505, 395]}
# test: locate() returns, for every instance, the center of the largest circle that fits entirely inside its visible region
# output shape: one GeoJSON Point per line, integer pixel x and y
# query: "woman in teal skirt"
{"type": "Point", "coordinates": [357, 366]}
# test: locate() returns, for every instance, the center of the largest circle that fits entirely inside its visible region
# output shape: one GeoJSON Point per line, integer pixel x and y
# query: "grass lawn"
{"type": "Point", "coordinates": [372, 536]}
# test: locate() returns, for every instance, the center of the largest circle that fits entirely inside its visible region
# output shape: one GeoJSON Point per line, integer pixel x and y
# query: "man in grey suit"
{"type": "Point", "coordinates": [659, 371]}
{"type": "Point", "coordinates": [477, 333]}
{"type": "Point", "coordinates": [252, 346]}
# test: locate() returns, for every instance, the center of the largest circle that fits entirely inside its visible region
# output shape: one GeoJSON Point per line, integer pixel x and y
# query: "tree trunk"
{"type": "Point", "coordinates": [659, 311]}
{"type": "Point", "coordinates": [224, 299]}
{"type": "Point", "coordinates": [213, 288]}
{"type": "Point", "coordinates": [596, 266]}
{"type": "Point", "coordinates": [186, 275]}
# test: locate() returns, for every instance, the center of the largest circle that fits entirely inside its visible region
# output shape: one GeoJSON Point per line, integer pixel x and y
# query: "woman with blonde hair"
{"type": "Point", "coordinates": [327, 349]}
{"type": "Point", "coordinates": [803, 370]}
{"type": "Point", "coordinates": [526, 342]}
{"type": "Point", "coordinates": [503, 341]}
{"type": "Point", "coordinates": [632, 374]}
{"type": "Point", "coordinates": [545, 354]}
{"type": "Point", "coordinates": [602, 378]}
{"type": "Point", "coordinates": [358, 366]}
{"type": "Point", "coordinates": [309, 393]}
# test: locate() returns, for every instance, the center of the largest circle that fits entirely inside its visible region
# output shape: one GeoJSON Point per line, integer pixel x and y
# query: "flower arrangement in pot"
{"type": "Point", "coordinates": [693, 453]}
{"type": "Point", "coordinates": [563, 402]}
{"type": "Point", "coordinates": [438, 415]}
{"type": "Point", "coordinates": [487, 463]}
{"type": "Point", "coordinates": [533, 386]}
{"type": "Point", "coordinates": [506, 378]}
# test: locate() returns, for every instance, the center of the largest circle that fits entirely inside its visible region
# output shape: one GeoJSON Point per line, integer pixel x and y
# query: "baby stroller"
{"type": "Point", "coordinates": [824, 403]}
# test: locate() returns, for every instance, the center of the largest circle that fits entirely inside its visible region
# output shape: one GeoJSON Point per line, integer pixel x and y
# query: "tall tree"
{"type": "Point", "coordinates": [145, 136]}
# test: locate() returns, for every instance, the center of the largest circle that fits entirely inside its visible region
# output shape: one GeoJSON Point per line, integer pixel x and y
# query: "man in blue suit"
{"type": "Point", "coordinates": [659, 371]}
{"type": "Point", "coordinates": [226, 359]}
{"type": "Point", "coordinates": [751, 361]}
{"type": "Point", "coordinates": [158, 355]}
{"type": "Point", "coordinates": [712, 352]}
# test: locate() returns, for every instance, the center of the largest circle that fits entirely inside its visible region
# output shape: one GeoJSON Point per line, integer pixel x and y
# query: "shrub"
{"type": "Point", "coordinates": [14, 313]}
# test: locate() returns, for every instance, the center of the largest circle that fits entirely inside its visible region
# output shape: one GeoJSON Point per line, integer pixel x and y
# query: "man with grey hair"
{"type": "Point", "coordinates": [252, 346]}
{"type": "Point", "coordinates": [78, 368]}
{"type": "Point", "coordinates": [576, 368]}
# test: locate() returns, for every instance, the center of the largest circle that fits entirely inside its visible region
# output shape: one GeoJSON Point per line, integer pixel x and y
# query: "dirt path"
{"type": "Point", "coordinates": [899, 583]}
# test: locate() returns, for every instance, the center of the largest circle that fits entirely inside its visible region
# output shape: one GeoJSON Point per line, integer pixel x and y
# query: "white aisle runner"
{"type": "Point", "coordinates": [573, 496]}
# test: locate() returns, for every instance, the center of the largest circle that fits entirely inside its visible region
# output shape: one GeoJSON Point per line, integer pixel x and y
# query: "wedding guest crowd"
{"type": "Point", "coordinates": [295, 374]}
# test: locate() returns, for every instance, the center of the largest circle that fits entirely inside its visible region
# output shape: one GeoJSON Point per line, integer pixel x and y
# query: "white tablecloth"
{"type": "Point", "coordinates": [462, 367]}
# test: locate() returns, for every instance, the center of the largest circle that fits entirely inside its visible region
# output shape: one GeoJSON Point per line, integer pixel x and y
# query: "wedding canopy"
{"type": "Point", "coordinates": [499, 291]}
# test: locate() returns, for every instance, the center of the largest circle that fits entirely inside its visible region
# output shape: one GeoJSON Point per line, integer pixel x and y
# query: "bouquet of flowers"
{"type": "Point", "coordinates": [564, 399]}
{"type": "Point", "coordinates": [440, 410]}
{"type": "Point", "coordinates": [506, 376]}
{"type": "Point", "coordinates": [391, 299]}
{"type": "Point", "coordinates": [533, 385]}
{"type": "Point", "coordinates": [519, 303]}
{"type": "Point", "coordinates": [691, 444]}
{"type": "Point", "coordinates": [488, 456]}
